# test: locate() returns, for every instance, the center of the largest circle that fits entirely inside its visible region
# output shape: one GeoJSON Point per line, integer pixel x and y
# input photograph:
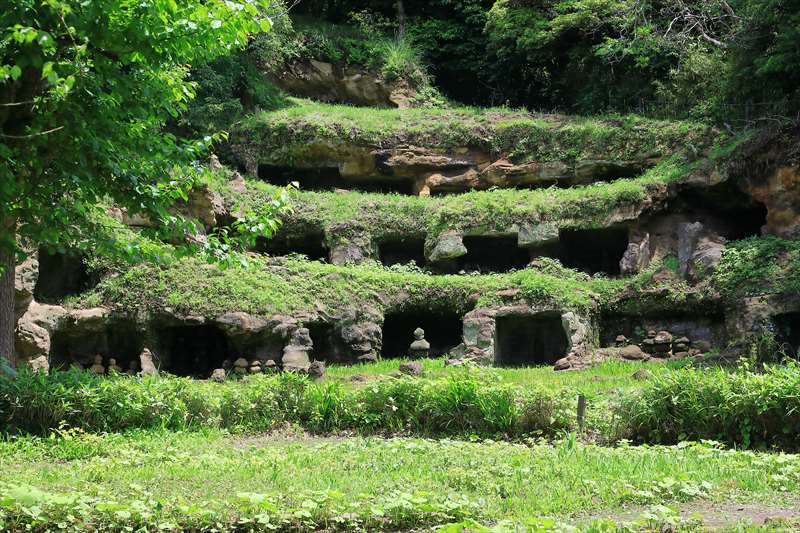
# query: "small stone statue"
{"type": "Point", "coordinates": [133, 367]}
{"type": "Point", "coordinates": [240, 366]}
{"type": "Point", "coordinates": [112, 366]}
{"type": "Point", "coordinates": [295, 354]}
{"type": "Point", "coordinates": [97, 367]}
{"type": "Point", "coordinates": [316, 370]}
{"type": "Point", "coordinates": [420, 347]}
{"type": "Point", "coordinates": [218, 375]}
{"type": "Point", "coordinates": [255, 366]}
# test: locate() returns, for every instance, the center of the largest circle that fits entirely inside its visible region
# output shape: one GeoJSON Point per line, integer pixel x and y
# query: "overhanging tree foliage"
{"type": "Point", "coordinates": [86, 89]}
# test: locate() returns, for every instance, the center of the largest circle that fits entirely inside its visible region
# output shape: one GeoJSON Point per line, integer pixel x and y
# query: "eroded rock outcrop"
{"type": "Point", "coordinates": [432, 170]}
{"type": "Point", "coordinates": [328, 82]}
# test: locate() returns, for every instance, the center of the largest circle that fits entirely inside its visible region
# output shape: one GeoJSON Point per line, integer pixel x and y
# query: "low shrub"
{"type": "Point", "coordinates": [468, 402]}
{"type": "Point", "coordinates": [745, 408]}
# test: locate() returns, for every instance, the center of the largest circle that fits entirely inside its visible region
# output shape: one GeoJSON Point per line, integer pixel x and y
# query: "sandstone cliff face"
{"type": "Point", "coordinates": [432, 170]}
{"type": "Point", "coordinates": [768, 169]}
{"type": "Point", "coordinates": [327, 82]}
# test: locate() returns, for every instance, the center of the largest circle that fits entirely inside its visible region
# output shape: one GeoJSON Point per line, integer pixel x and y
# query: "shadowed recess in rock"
{"type": "Point", "coordinates": [443, 330]}
{"type": "Point", "coordinates": [492, 253]}
{"type": "Point", "coordinates": [329, 178]}
{"type": "Point", "coordinates": [310, 244]}
{"type": "Point", "coordinates": [707, 328]}
{"type": "Point", "coordinates": [402, 250]}
{"type": "Point", "coordinates": [120, 340]}
{"type": "Point", "coordinates": [530, 340]}
{"type": "Point", "coordinates": [328, 344]}
{"type": "Point", "coordinates": [193, 351]}
{"type": "Point", "coordinates": [736, 214]}
{"type": "Point", "coordinates": [61, 275]}
{"type": "Point", "coordinates": [787, 333]}
{"type": "Point", "coordinates": [593, 250]}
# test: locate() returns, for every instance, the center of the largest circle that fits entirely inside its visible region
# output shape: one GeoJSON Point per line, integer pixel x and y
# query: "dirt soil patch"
{"type": "Point", "coordinates": [716, 516]}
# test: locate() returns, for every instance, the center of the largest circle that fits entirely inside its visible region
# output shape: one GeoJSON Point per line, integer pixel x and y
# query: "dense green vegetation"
{"type": "Point", "coordinates": [724, 60]}
{"type": "Point", "coordinates": [675, 402]}
{"type": "Point", "coordinates": [744, 407]}
{"type": "Point", "coordinates": [99, 81]}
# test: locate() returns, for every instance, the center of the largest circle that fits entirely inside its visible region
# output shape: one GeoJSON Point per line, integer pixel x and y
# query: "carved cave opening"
{"type": "Point", "coordinates": [193, 351]}
{"type": "Point", "coordinates": [61, 275]}
{"type": "Point", "coordinates": [530, 340]}
{"type": "Point", "coordinates": [443, 330]}
{"type": "Point", "coordinates": [492, 253]}
{"type": "Point", "coordinates": [310, 244]}
{"type": "Point", "coordinates": [329, 178]}
{"type": "Point", "coordinates": [593, 250]}
{"type": "Point", "coordinates": [729, 210]}
{"type": "Point", "coordinates": [402, 250]}
{"type": "Point", "coordinates": [120, 340]}
{"type": "Point", "coordinates": [787, 332]}
{"type": "Point", "coordinates": [328, 343]}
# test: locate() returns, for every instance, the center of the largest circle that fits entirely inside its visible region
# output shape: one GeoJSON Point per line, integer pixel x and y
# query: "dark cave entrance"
{"type": "Point", "coordinates": [329, 178]}
{"type": "Point", "coordinates": [310, 244]}
{"type": "Point", "coordinates": [328, 343]}
{"type": "Point", "coordinates": [443, 330]}
{"type": "Point", "coordinates": [399, 251]}
{"type": "Point", "coordinates": [61, 275]}
{"type": "Point", "coordinates": [733, 213]}
{"type": "Point", "coordinates": [120, 340]}
{"type": "Point", "coordinates": [492, 253]}
{"type": "Point", "coordinates": [193, 351]}
{"type": "Point", "coordinates": [787, 326]}
{"type": "Point", "coordinates": [530, 340]}
{"type": "Point", "coordinates": [593, 250]}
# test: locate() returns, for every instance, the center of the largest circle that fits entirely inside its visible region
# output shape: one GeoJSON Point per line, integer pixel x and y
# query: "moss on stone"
{"type": "Point", "coordinates": [282, 136]}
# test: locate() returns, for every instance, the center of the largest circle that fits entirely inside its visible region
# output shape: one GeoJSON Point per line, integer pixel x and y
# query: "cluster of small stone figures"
{"type": "Point", "coordinates": [663, 344]}
{"type": "Point", "coordinates": [241, 367]}
{"type": "Point", "coordinates": [112, 368]}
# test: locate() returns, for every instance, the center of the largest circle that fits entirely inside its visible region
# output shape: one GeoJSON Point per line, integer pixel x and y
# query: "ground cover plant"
{"type": "Point", "coordinates": [290, 481]}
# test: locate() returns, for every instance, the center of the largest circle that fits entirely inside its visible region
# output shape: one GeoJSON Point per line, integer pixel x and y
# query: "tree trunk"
{"type": "Point", "coordinates": [8, 321]}
{"type": "Point", "coordinates": [401, 19]}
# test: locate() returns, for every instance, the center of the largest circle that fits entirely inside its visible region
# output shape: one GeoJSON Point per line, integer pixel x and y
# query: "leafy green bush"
{"type": "Point", "coordinates": [25, 508]}
{"type": "Point", "coordinates": [465, 403]}
{"type": "Point", "coordinates": [759, 265]}
{"type": "Point", "coordinates": [745, 408]}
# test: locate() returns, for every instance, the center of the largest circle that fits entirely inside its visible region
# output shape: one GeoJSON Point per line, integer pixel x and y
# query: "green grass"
{"type": "Point", "coordinates": [274, 286]}
{"type": "Point", "coordinates": [597, 381]}
{"type": "Point", "coordinates": [352, 479]}
{"type": "Point", "coordinates": [282, 136]}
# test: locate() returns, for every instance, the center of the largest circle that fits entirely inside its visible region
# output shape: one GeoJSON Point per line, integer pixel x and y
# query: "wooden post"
{"type": "Point", "coordinates": [581, 412]}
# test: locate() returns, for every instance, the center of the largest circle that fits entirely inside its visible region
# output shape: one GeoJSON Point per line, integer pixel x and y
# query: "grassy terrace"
{"type": "Point", "coordinates": [521, 134]}
{"type": "Point", "coordinates": [389, 214]}
{"type": "Point", "coordinates": [285, 285]}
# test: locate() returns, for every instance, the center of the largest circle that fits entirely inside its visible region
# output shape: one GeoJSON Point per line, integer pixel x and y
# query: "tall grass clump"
{"type": "Point", "coordinates": [467, 402]}
{"type": "Point", "coordinates": [745, 407]}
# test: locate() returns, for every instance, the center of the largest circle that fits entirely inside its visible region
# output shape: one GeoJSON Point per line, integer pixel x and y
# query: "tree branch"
{"type": "Point", "coordinates": [32, 135]}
